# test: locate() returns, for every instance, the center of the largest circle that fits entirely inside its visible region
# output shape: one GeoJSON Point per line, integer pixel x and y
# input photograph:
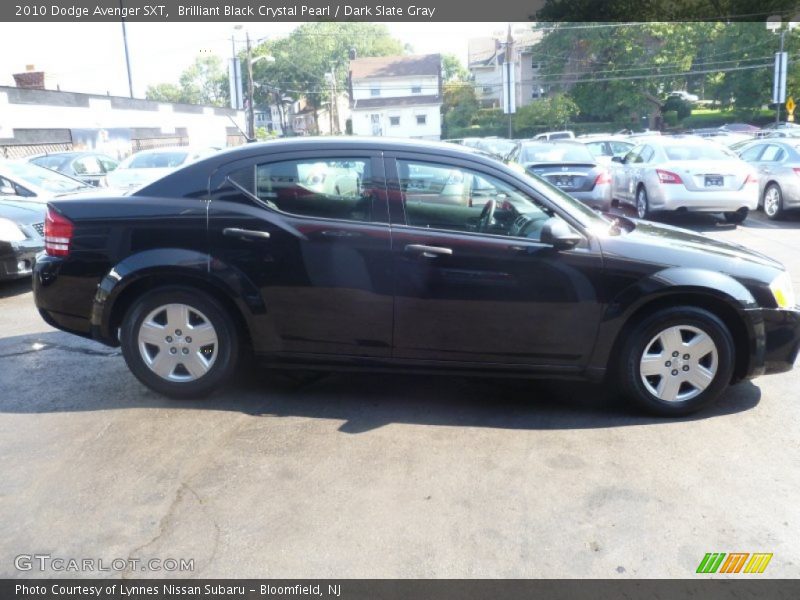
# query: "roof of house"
{"type": "Point", "coordinates": [397, 101]}
{"type": "Point", "coordinates": [396, 66]}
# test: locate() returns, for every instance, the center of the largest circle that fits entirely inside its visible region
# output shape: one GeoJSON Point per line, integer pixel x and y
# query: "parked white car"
{"type": "Point", "coordinates": [148, 165]}
{"type": "Point", "coordinates": [686, 174]}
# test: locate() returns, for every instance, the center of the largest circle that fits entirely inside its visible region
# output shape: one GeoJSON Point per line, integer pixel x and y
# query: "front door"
{"type": "Point", "coordinates": [308, 234]}
{"type": "Point", "coordinates": [473, 282]}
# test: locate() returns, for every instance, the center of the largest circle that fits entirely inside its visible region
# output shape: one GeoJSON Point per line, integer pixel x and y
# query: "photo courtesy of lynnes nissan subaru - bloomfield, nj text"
{"type": "Point", "coordinates": [389, 254]}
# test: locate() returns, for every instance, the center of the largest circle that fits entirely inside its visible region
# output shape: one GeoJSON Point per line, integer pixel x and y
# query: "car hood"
{"type": "Point", "coordinates": [22, 211]}
{"type": "Point", "coordinates": [668, 246]}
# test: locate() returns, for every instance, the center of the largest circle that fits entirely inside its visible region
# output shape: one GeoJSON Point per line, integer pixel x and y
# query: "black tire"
{"type": "Point", "coordinates": [639, 340]}
{"type": "Point", "coordinates": [642, 203]}
{"type": "Point", "coordinates": [736, 217]}
{"type": "Point", "coordinates": [225, 351]}
{"type": "Point", "coordinates": [772, 202]}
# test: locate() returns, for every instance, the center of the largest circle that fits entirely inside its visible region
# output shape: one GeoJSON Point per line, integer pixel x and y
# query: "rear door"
{"type": "Point", "coordinates": [315, 254]}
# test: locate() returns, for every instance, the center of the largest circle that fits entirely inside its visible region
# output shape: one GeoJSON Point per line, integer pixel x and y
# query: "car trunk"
{"type": "Point", "coordinates": [570, 177]}
{"type": "Point", "coordinates": [709, 175]}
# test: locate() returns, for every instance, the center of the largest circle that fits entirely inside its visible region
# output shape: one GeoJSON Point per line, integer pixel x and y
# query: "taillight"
{"type": "Point", "coordinates": [753, 179]}
{"type": "Point", "coordinates": [57, 233]}
{"type": "Point", "coordinates": [603, 177]}
{"type": "Point", "coordinates": [796, 171]}
{"type": "Point", "coordinates": [668, 177]}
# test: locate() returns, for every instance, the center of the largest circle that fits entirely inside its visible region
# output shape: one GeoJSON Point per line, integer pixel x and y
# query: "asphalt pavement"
{"type": "Point", "coordinates": [362, 476]}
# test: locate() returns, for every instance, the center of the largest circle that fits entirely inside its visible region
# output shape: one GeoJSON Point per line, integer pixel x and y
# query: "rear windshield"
{"type": "Point", "coordinates": [157, 160]}
{"type": "Point", "coordinates": [696, 152]}
{"type": "Point", "coordinates": [545, 153]}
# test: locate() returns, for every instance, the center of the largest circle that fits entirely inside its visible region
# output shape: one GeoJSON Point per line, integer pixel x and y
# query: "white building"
{"type": "Point", "coordinates": [397, 96]}
{"type": "Point", "coordinates": [486, 58]}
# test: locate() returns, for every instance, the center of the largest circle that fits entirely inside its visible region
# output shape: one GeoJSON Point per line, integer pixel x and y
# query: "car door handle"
{"type": "Point", "coordinates": [428, 251]}
{"type": "Point", "coordinates": [245, 233]}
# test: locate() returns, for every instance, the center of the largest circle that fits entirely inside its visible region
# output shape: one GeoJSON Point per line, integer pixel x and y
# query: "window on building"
{"type": "Point", "coordinates": [374, 91]}
{"type": "Point", "coordinates": [487, 89]}
{"type": "Point", "coordinates": [535, 65]}
{"type": "Point", "coordinates": [416, 89]}
{"type": "Point", "coordinates": [422, 119]}
{"type": "Point", "coordinates": [394, 121]}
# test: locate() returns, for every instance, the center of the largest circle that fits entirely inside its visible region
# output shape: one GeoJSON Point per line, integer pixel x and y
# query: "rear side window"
{"type": "Point", "coordinates": [340, 188]}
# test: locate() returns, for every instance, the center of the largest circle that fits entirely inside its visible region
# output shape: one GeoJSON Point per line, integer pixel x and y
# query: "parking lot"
{"type": "Point", "coordinates": [344, 475]}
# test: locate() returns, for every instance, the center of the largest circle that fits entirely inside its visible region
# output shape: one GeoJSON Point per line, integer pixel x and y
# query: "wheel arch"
{"type": "Point", "coordinates": [717, 293]}
{"type": "Point", "coordinates": [130, 279]}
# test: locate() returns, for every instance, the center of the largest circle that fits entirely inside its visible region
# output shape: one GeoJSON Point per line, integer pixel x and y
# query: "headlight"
{"type": "Point", "coordinates": [782, 291]}
{"type": "Point", "coordinates": [10, 231]}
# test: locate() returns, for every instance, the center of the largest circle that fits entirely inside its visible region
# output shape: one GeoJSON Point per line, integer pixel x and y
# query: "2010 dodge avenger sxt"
{"type": "Point", "coordinates": [380, 254]}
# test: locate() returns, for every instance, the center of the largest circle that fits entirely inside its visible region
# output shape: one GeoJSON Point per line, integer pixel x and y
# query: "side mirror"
{"type": "Point", "coordinates": [559, 235]}
{"type": "Point", "coordinates": [618, 159]}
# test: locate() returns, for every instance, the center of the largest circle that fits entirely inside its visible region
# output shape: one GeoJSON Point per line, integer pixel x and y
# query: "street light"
{"type": "Point", "coordinates": [775, 24]}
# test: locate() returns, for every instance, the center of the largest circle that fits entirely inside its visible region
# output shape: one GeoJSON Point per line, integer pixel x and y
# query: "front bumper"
{"type": "Point", "coordinates": [17, 258]}
{"type": "Point", "coordinates": [777, 348]}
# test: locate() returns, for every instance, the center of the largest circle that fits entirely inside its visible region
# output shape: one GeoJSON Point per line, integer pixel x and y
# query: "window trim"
{"type": "Point", "coordinates": [397, 208]}
{"type": "Point", "coordinates": [380, 208]}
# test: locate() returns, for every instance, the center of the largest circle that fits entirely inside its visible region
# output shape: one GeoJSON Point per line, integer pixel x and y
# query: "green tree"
{"type": "Point", "coordinates": [553, 112]}
{"type": "Point", "coordinates": [453, 69]}
{"type": "Point", "coordinates": [303, 59]}
{"type": "Point", "coordinates": [203, 82]}
{"type": "Point", "coordinates": [459, 107]}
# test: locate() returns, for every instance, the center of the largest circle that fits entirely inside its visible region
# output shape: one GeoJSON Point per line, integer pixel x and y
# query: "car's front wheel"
{"type": "Point", "coordinates": [676, 361]}
{"type": "Point", "coordinates": [179, 342]}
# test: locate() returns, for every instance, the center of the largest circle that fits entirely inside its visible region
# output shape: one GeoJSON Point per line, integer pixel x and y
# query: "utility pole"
{"type": "Point", "coordinates": [251, 117]}
{"type": "Point", "coordinates": [334, 102]}
{"type": "Point", "coordinates": [127, 55]}
{"type": "Point", "coordinates": [509, 87]}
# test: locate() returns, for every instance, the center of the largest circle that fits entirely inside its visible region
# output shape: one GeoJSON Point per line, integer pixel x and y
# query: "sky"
{"type": "Point", "coordinates": [89, 57]}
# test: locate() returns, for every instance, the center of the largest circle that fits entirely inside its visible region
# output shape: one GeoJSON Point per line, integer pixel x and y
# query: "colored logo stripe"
{"type": "Point", "coordinates": [758, 562]}
{"type": "Point", "coordinates": [734, 562]}
{"type": "Point", "coordinates": [711, 562]}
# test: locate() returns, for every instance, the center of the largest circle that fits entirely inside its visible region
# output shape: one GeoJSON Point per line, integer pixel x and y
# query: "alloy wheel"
{"type": "Point", "coordinates": [679, 363]}
{"type": "Point", "coordinates": [641, 203]}
{"type": "Point", "coordinates": [177, 342]}
{"type": "Point", "coordinates": [772, 201]}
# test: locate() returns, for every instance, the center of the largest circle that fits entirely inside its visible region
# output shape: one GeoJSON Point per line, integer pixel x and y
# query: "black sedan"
{"type": "Point", "coordinates": [88, 167]}
{"type": "Point", "coordinates": [405, 255]}
{"type": "Point", "coordinates": [21, 229]}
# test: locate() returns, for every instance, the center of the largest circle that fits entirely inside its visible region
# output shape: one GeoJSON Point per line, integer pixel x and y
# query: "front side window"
{"type": "Point", "coordinates": [453, 198]}
{"type": "Point", "coordinates": [773, 153]}
{"type": "Point", "coordinates": [334, 188]}
{"type": "Point", "coordinates": [752, 153]}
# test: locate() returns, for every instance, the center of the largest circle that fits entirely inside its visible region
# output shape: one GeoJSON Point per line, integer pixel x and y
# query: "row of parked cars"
{"type": "Point", "coordinates": [655, 173]}
{"type": "Point", "coordinates": [27, 185]}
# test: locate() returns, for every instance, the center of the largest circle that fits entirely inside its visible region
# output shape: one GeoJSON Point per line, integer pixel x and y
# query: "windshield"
{"type": "Point", "coordinates": [696, 152]}
{"type": "Point", "coordinates": [586, 216]}
{"type": "Point", "coordinates": [155, 160]}
{"type": "Point", "coordinates": [44, 178]}
{"type": "Point", "coordinates": [552, 153]}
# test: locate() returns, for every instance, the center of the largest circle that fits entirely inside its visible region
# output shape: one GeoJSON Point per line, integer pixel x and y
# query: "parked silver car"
{"type": "Point", "coordinates": [569, 166]}
{"type": "Point", "coordinates": [687, 174]}
{"type": "Point", "coordinates": [778, 164]}
{"type": "Point", "coordinates": [606, 147]}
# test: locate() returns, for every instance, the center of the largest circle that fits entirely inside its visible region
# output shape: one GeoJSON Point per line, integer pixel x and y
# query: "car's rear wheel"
{"type": "Point", "coordinates": [736, 217]}
{"type": "Point", "coordinates": [179, 342]}
{"type": "Point", "coordinates": [642, 203]}
{"type": "Point", "coordinates": [676, 361]}
{"type": "Point", "coordinates": [773, 201]}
